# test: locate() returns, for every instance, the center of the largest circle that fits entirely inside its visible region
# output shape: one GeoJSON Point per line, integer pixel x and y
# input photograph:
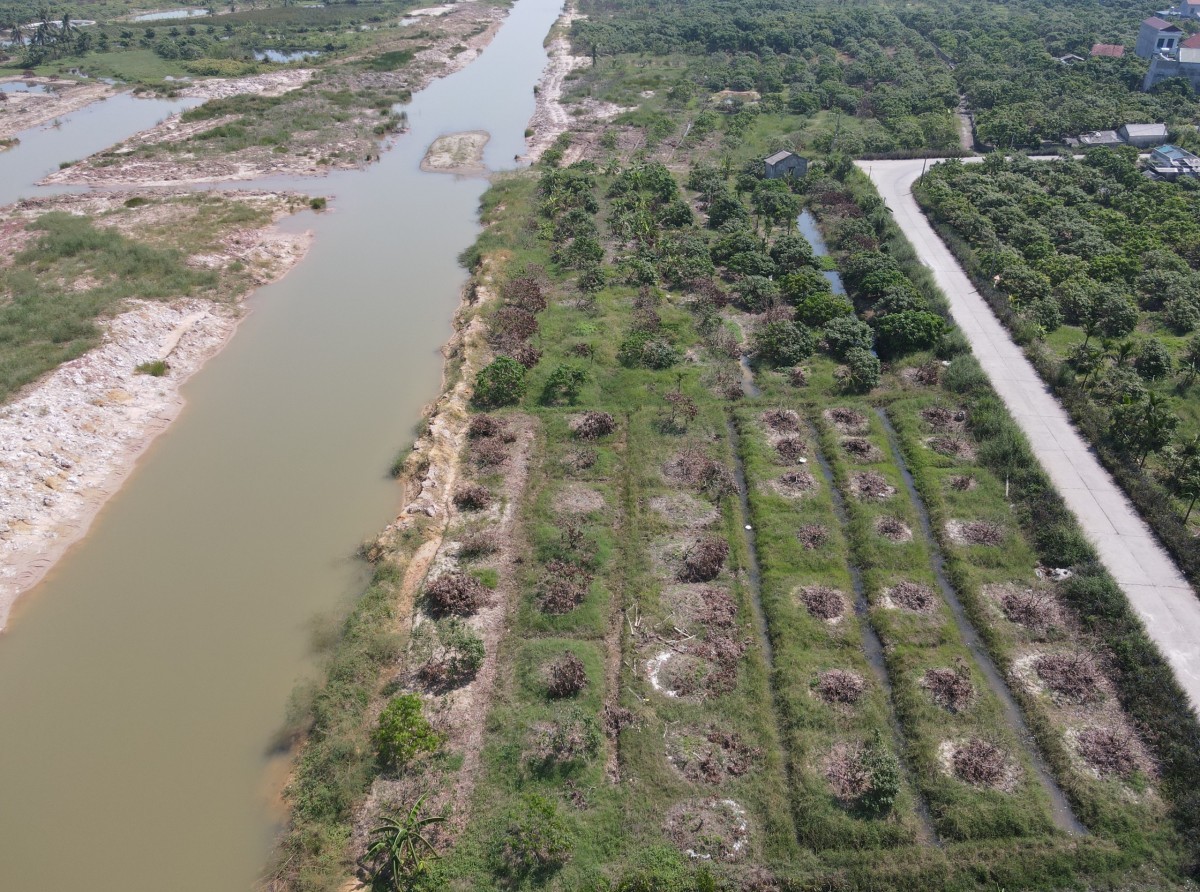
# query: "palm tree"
{"type": "Point", "coordinates": [401, 843]}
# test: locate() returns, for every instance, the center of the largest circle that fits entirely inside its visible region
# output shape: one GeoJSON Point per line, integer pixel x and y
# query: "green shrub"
{"type": "Point", "coordinates": [565, 382]}
{"type": "Point", "coordinates": [500, 384]}
{"type": "Point", "coordinates": [155, 368]}
{"type": "Point", "coordinates": [846, 333]}
{"type": "Point", "coordinates": [403, 732]}
{"type": "Point", "coordinates": [643, 348]}
{"type": "Point", "coordinates": [884, 769]}
{"type": "Point", "coordinates": [533, 841]}
{"type": "Point", "coordinates": [899, 333]}
{"type": "Point", "coordinates": [864, 370]}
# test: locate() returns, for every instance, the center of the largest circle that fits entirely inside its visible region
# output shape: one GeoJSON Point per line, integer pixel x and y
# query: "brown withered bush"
{"type": "Point", "coordinates": [1071, 675]}
{"type": "Point", "coordinates": [456, 594]}
{"type": "Point", "coordinates": [812, 535]}
{"type": "Point", "coordinates": [483, 426]}
{"type": "Point", "coordinates": [703, 561]}
{"type": "Point", "coordinates": [472, 497]}
{"type": "Point", "coordinates": [950, 689]}
{"type": "Point", "coordinates": [839, 687]}
{"type": "Point", "coordinates": [594, 425]}
{"type": "Point", "coordinates": [823, 602]}
{"type": "Point", "coordinates": [562, 587]}
{"type": "Point", "coordinates": [566, 676]}
{"type": "Point", "coordinates": [979, 763]}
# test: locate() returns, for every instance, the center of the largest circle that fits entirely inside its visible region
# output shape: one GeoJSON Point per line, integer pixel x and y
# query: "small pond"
{"type": "Point", "coordinates": [22, 87]}
{"type": "Point", "coordinates": [170, 14]}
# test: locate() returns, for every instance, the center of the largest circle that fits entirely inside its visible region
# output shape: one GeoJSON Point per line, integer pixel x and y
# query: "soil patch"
{"type": "Point", "coordinates": [458, 153]}
{"type": "Point", "coordinates": [795, 484]}
{"type": "Point", "coordinates": [685, 511]}
{"type": "Point", "coordinates": [575, 498]}
{"type": "Point", "coordinates": [871, 486]}
{"type": "Point", "coordinates": [709, 829]}
{"type": "Point", "coordinates": [975, 532]}
{"type": "Point", "coordinates": [893, 529]}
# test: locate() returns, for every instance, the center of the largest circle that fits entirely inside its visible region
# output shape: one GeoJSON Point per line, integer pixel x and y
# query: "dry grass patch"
{"type": "Point", "coordinates": [478, 543]}
{"type": "Point", "coordinates": [871, 486]}
{"type": "Point", "coordinates": [575, 498]}
{"type": "Point", "coordinates": [848, 421]}
{"type": "Point", "coordinates": [846, 771]}
{"type": "Point", "coordinates": [696, 469]}
{"type": "Point", "coordinates": [824, 603]}
{"type": "Point", "coordinates": [684, 510]}
{"type": "Point", "coordinates": [580, 459]}
{"type": "Point", "coordinates": [709, 755]}
{"type": "Point", "coordinates": [709, 830]}
{"type": "Point", "coordinates": [893, 529]}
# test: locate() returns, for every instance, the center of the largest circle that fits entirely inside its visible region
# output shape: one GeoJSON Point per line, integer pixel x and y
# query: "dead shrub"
{"type": "Point", "coordinates": [838, 687]}
{"type": "Point", "coordinates": [616, 719]}
{"type": "Point", "coordinates": [861, 449]}
{"type": "Point", "coordinates": [710, 830]}
{"type": "Point", "coordinates": [952, 447]}
{"type": "Point", "coordinates": [979, 763]}
{"type": "Point", "coordinates": [790, 450]}
{"type": "Point", "coordinates": [703, 561]}
{"type": "Point", "coordinates": [717, 610]}
{"type": "Point", "coordinates": [848, 421]}
{"type": "Point", "coordinates": [950, 689]}
{"type": "Point", "coordinates": [797, 482]}
{"type": "Point", "coordinates": [699, 471]}
{"type": "Point", "coordinates": [489, 453]}
{"type": "Point", "coordinates": [1109, 751]}
{"type": "Point", "coordinates": [484, 426]}
{"type": "Point", "coordinates": [479, 543]}
{"type": "Point", "coordinates": [798, 377]}
{"type": "Point", "coordinates": [812, 535]}
{"type": "Point", "coordinates": [942, 419]}
{"type": "Point", "coordinates": [913, 596]}
{"type": "Point", "coordinates": [1071, 675]}
{"type": "Point", "coordinates": [710, 755]}
{"type": "Point", "coordinates": [526, 354]}
{"type": "Point", "coordinates": [456, 594]}
{"type": "Point", "coordinates": [871, 486]}
{"type": "Point", "coordinates": [982, 532]}
{"type": "Point", "coordinates": [928, 374]}
{"type": "Point", "coordinates": [566, 676]}
{"type": "Point", "coordinates": [472, 497]}
{"type": "Point", "coordinates": [576, 461]}
{"type": "Point", "coordinates": [511, 326]}
{"type": "Point", "coordinates": [1033, 609]}
{"type": "Point", "coordinates": [593, 425]}
{"type": "Point", "coordinates": [962, 482]}
{"type": "Point", "coordinates": [847, 772]}
{"type": "Point", "coordinates": [893, 529]}
{"type": "Point", "coordinates": [573, 736]}
{"type": "Point", "coordinates": [582, 350]}
{"type": "Point", "coordinates": [823, 602]}
{"type": "Point", "coordinates": [781, 420]}
{"type": "Point", "coordinates": [524, 292]}
{"type": "Point", "coordinates": [562, 587]}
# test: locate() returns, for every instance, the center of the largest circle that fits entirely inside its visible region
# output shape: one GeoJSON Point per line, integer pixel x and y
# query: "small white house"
{"type": "Point", "coordinates": [1143, 135]}
{"type": "Point", "coordinates": [783, 164]}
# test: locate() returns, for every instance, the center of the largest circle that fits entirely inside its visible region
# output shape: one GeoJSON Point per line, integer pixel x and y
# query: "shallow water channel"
{"type": "Point", "coordinates": [141, 682]}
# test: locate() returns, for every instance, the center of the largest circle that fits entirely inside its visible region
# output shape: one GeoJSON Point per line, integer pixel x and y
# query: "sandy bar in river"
{"type": "Point", "coordinates": [460, 153]}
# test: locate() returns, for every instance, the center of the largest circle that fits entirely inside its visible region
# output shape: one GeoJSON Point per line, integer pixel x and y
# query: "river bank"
{"type": "Point", "coordinates": [48, 99]}
{"type": "Point", "coordinates": [70, 439]}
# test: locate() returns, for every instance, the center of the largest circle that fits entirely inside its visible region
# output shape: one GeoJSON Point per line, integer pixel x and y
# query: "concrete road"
{"type": "Point", "coordinates": [1155, 587]}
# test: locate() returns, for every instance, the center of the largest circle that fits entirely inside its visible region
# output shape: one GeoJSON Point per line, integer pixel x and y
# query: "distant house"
{"type": "Point", "coordinates": [1157, 36]}
{"type": "Point", "coordinates": [1170, 162]}
{"type": "Point", "coordinates": [1101, 138]}
{"type": "Point", "coordinates": [783, 164]}
{"type": "Point", "coordinates": [1143, 135]}
{"type": "Point", "coordinates": [1188, 9]}
{"type": "Point", "coordinates": [1108, 50]}
{"type": "Point", "coordinates": [1069, 59]}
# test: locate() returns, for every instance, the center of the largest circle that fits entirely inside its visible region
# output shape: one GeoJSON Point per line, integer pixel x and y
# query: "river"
{"type": "Point", "coordinates": [141, 682]}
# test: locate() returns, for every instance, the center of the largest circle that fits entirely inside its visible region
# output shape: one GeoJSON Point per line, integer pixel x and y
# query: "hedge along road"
{"type": "Point", "coordinates": [1154, 585]}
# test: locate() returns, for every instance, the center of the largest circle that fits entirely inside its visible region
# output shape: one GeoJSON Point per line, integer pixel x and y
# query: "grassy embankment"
{"type": "Point", "coordinates": [77, 270]}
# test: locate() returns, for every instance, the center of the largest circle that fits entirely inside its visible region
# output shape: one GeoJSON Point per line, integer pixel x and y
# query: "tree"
{"type": "Point", "coordinates": [818, 308]}
{"type": "Point", "coordinates": [774, 202]}
{"type": "Point", "coordinates": [1111, 315]}
{"type": "Point", "coordinates": [534, 840]}
{"type": "Point", "coordinates": [899, 333]}
{"type": "Point", "coordinates": [564, 382]}
{"type": "Point", "coordinates": [1144, 427]}
{"type": "Point", "coordinates": [864, 370]}
{"type": "Point", "coordinates": [1086, 359]}
{"type": "Point", "coordinates": [403, 732]}
{"type": "Point", "coordinates": [783, 343]}
{"type": "Point", "coordinates": [791, 252]}
{"type": "Point", "coordinates": [1189, 362]}
{"type": "Point", "coordinates": [1153, 360]}
{"type": "Point", "coordinates": [400, 844]}
{"type": "Point", "coordinates": [846, 333]}
{"type": "Point", "coordinates": [500, 384]}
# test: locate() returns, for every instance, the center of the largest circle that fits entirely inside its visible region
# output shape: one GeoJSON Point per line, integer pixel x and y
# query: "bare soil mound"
{"type": "Point", "coordinates": [709, 829]}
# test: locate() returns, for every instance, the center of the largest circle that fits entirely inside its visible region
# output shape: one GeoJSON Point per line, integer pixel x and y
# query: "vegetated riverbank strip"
{"type": "Point", "coordinates": [72, 437]}
{"type": "Point", "coordinates": [1157, 590]}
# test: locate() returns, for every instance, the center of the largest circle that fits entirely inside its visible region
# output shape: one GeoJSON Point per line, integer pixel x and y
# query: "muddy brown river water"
{"type": "Point", "coordinates": [141, 682]}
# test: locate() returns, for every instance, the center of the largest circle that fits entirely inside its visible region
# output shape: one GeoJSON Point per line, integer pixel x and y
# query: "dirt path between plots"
{"type": "Point", "coordinates": [69, 440]}
{"type": "Point", "coordinates": [1149, 577]}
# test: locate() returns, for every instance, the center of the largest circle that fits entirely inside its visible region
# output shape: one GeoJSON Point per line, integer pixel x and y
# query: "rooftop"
{"type": "Point", "coordinates": [1161, 24]}
{"type": "Point", "coordinates": [1146, 129]}
{"type": "Point", "coordinates": [779, 156]}
{"type": "Point", "coordinates": [1111, 50]}
{"type": "Point", "coordinates": [1192, 43]}
{"type": "Point", "coordinates": [1174, 153]}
